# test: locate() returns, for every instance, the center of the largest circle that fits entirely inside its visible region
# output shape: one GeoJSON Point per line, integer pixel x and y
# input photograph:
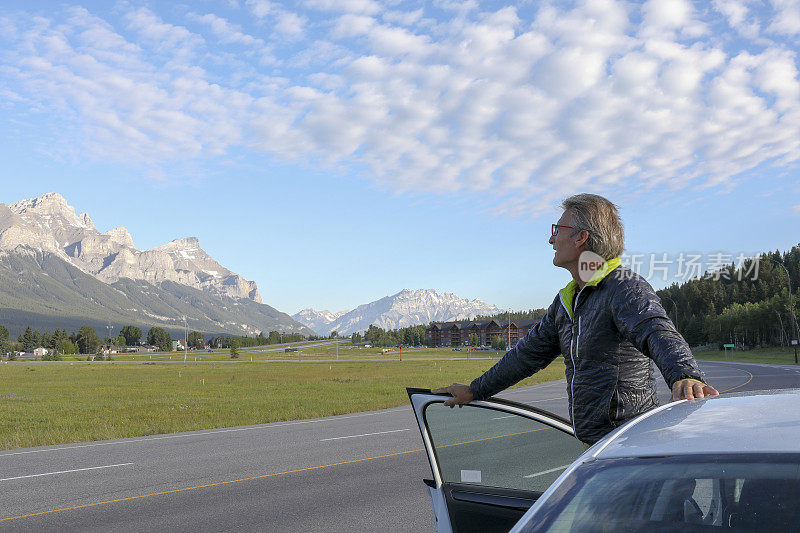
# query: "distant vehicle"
{"type": "Point", "coordinates": [500, 465]}
{"type": "Point", "coordinates": [456, 349]}
{"type": "Point", "coordinates": [367, 346]}
{"type": "Point", "coordinates": [290, 349]}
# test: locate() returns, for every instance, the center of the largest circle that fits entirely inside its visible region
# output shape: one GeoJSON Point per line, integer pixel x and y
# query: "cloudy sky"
{"type": "Point", "coordinates": [337, 151]}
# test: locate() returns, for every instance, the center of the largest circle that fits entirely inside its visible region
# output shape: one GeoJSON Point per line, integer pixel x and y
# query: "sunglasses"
{"type": "Point", "coordinates": [554, 229]}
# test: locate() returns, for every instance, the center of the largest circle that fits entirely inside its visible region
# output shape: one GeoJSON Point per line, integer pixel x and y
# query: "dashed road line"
{"type": "Point", "coordinates": [556, 469]}
{"type": "Point", "coordinates": [365, 434]}
{"type": "Point", "coordinates": [135, 440]}
{"type": "Point", "coordinates": [64, 471]}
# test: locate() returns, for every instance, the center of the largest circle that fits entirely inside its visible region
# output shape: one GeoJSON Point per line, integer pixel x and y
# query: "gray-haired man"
{"type": "Point", "coordinates": [608, 324]}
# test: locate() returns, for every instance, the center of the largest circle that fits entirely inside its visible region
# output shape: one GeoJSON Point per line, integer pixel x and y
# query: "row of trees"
{"type": "Point", "coordinates": [530, 314]}
{"type": "Point", "coordinates": [83, 341]}
{"type": "Point", "coordinates": [86, 340]}
{"type": "Point", "coordinates": [274, 337]}
{"type": "Point", "coordinates": [409, 336]}
{"type": "Point", "coordinates": [748, 306]}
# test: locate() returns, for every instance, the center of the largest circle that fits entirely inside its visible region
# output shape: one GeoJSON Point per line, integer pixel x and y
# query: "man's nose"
{"type": "Point", "coordinates": [552, 239]}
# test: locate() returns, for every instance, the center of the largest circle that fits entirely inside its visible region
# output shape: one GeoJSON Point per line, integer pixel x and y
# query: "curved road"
{"type": "Point", "coordinates": [359, 472]}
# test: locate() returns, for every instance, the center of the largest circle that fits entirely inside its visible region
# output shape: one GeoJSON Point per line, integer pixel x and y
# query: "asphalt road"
{"type": "Point", "coordinates": [353, 473]}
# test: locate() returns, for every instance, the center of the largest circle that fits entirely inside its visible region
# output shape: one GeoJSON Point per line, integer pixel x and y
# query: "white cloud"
{"type": "Point", "coordinates": [521, 108]}
{"type": "Point", "coordinates": [164, 36]}
{"type": "Point", "coordinates": [290, 25]}
{"type": "Point", "coordinates": [735, 11]}
{"type": "Point", "coordinates": [404, 18]}
{"type": "Point", "coordinates": [260, 8]}
{"type": "Point", "coordinates": [366, 7]}
{"type": "Point", "coordinates": [787, 17]}
{"type": "Point", "coordinates": [226, 32]}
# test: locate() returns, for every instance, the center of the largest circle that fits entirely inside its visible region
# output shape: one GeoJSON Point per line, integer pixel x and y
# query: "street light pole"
{"type": "Point", "coordinates": [791, 308]}
{"type": "Point", "coordinates": [676, 309]}
{"type": "Point", "coordinates": [508, 345]}
{"type": "Point", "coordinates": [185, 333]}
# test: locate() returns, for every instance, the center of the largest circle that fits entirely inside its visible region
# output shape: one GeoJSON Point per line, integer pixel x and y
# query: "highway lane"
{"type": "Point", "coordinates": [359, 472]}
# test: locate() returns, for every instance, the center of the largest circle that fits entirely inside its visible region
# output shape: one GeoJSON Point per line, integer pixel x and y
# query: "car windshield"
{"type": "Point", "coordinates": [686, 493]}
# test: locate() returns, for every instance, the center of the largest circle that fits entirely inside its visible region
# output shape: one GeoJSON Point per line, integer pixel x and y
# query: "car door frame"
{"type": "Point", "coordinates": [508, 501]}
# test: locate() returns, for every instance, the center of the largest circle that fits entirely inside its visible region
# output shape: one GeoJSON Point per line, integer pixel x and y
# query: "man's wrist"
{"type": "Point", "coordinates": [689, 378]}
{"type": "Point", "coordinates": [474, 390]}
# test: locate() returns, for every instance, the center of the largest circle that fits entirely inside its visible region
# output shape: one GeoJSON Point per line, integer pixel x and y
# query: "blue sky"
{"type": "Point", "coordinates": [339, 151]}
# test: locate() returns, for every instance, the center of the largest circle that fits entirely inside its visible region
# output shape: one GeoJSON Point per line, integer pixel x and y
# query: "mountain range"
{"type": "Point", "coordinates": [406, 308]}
{"type": "Point", "coordinates": [58, 270]}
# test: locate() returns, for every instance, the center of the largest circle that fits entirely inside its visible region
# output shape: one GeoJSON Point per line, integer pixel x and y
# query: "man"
{"type": "Point", "coordinates": [608, 324]}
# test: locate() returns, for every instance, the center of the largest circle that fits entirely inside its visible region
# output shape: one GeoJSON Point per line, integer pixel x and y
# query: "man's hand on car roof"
{"type": "Point", "coordinates": [689, 389]}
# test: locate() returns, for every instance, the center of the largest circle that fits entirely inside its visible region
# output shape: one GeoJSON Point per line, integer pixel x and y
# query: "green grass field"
{"type": "Point", "coordinates": [326, 353]}
{"type": "Point", "coordinates": [783, 356]}
{"type": "Point", "coordinates": [55, 404]}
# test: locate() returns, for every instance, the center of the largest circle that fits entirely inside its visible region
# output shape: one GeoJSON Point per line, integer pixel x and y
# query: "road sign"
{"type": "Point", "coordinates": [794, 342]}
{"type": "Point", "coordinates": [729, 346]}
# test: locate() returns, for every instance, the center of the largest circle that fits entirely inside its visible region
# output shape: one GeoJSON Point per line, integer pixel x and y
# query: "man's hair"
{"type": "Point", "coordinates": [600, 218]}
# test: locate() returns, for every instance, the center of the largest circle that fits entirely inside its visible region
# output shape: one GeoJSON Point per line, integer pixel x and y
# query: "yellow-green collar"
{"type": "Point", "coordinates": [568, 292]}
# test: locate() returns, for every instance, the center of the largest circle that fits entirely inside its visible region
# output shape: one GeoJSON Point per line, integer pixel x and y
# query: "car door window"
{"type": "Point", "coordinates": [483, 446]}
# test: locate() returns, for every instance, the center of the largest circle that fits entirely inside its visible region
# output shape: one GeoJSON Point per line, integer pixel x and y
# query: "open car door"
{"type": "Point", "coordinates": [490, 459]}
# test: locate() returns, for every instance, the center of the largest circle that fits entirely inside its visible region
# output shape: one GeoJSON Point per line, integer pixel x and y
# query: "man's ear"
{"type": "Point", "coordinates": [582, 237]}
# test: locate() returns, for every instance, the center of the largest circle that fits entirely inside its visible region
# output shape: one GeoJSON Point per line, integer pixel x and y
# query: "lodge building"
{"type": "Point", "coordinates": [459, 333]}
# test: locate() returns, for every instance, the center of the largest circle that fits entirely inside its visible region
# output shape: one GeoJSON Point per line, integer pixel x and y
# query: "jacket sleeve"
{"type": "Point", "coordinates": [532, 353]}
{"type": "Point", "coordinates": [642, 320]}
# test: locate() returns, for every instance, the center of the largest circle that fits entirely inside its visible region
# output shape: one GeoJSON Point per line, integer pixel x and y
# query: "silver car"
{"type": "Point", "coordinates": [730, 462]}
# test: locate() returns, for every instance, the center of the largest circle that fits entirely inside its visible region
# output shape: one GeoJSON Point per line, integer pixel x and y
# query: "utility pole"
{"type": "Point", "coordinates": [676, 309]}
{"type": "Point", "coordinates": [791, 309]}
{"type": "Point", "coordinates": [185, 334]}
{"type": "Point", "coordinates": [508, 345]}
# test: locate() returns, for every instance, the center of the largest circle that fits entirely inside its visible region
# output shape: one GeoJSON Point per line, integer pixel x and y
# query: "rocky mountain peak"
{"type": "Point", "coordinates": [121, 236]}
{"type": "Point", "coordinates": [49, 205]}
{"type": "Point", "coordinates": [181, 244]}
{"type": "Point", "coordinates": [49, 223]}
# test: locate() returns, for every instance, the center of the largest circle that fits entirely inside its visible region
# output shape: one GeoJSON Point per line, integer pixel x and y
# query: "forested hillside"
{"type": "Point", "coordinates": [748, 306]}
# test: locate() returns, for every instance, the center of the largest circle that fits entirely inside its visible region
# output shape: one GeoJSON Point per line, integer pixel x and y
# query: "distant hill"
{"type": "Point", "coordinates": [406, 308]}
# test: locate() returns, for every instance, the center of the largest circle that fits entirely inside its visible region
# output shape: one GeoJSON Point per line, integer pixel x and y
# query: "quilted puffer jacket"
{"type": "Point", "coordinates": [609, 337]}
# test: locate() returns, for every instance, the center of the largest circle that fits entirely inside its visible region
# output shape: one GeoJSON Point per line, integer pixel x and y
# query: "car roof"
{"type": "Point", "coordinates": [753, 422]}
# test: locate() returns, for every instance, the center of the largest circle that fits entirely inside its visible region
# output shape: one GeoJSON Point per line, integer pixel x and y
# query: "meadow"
{"type": "Point", "coordinates": [61, 403]}
{"type": "Point", "coordinates": [782, 355]}
{"type": "Point", "coordinates": [346, 352]}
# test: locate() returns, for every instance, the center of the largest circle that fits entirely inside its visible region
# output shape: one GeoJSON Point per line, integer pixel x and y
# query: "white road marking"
{"type": "Point", "coordinates": [556, 469]}
{"type": "Point", "coordinates": [65, 471]}
{"type": "Point", "coordinates": [502, 417]}
{"type": "Point", "coordinates": [365, 434]}
{"type": "Point", "coordinates": [201, 433]}
{"type": "Point", "coordinates": [536, 400]}
{"type": "Point", "coordinates": [550, 399]}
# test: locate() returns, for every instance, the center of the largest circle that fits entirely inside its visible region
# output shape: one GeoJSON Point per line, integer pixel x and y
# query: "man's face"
{"type": "Point", "coordinates": [567, 249]}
